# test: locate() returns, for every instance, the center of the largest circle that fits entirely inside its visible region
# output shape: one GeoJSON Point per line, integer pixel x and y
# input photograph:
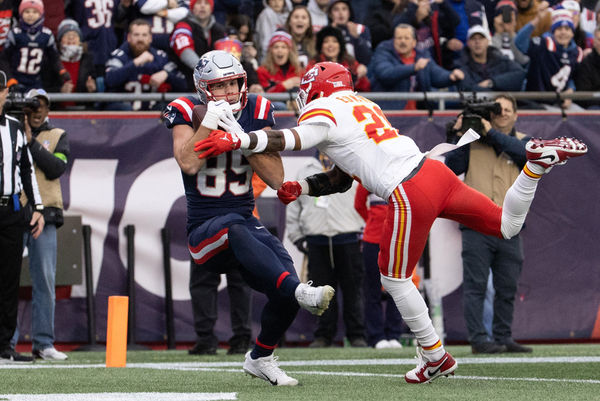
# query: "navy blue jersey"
{"type": "Point", "coordinates": [26, 54]}
{"type": "Point", "coordinates": [224, 184]}
{"type": "Point", "coordinates": [95, 20]}
{"type": "Point", "coordinates": [122, 75]}
{"type": "Point", "coordinates": [551, 65]}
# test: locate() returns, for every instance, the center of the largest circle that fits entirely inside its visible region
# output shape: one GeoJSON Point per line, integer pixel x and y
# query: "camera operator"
{"type": "Point", "coordinates": [491, 165]}
{"type": "Point", "coordinates": [49, 148]}
{"type": "Point", "coordinates": [16, 175]}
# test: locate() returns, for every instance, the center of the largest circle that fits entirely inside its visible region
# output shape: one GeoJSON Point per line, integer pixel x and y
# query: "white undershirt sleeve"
{"type": "Point", "coordinates": [312, 134]}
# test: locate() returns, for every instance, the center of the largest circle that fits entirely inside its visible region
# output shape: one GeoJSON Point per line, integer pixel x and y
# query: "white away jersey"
{"type": "Point", "coordinates": [362, 142]}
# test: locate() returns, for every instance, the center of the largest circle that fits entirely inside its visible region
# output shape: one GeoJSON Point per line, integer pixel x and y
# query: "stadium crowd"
{"type": "Point", "coordinates": [144, 46]}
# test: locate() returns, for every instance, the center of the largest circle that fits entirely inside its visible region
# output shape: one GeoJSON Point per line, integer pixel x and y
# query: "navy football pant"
{"type": "Point", "coordinates": [235, 242]}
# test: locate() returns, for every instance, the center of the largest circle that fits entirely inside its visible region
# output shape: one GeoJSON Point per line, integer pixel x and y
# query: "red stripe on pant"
{"type": "Point", "coordinates": [433, 192]}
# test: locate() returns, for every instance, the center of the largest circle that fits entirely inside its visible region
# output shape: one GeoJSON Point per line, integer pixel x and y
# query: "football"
{"type": "Point", "coordinates": [198, 115]}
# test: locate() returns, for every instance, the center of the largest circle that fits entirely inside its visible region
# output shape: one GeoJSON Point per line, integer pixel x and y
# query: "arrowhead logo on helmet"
{"type": "Point", "coordinates": [322, 80]}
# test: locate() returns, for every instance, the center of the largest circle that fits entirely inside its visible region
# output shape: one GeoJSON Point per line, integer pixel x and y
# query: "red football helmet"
{"type": "Point", "coordinates": [323, 79]}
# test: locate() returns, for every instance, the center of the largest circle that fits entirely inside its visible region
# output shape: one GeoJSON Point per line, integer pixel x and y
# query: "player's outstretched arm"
{"type": "Point", "coordinates": [297, 138]}
{"type": "Point", "coordinates": [329, 182]}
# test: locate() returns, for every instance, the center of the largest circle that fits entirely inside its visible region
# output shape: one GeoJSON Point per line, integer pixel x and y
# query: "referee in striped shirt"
{"type": "Point", "coordinates": [16, 175]}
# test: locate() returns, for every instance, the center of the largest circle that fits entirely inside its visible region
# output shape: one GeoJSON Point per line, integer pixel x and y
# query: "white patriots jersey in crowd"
{"type": "Point", "coordinates": [362, 142]}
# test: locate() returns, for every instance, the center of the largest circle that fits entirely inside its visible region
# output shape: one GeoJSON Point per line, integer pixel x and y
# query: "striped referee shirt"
{"type": "Point", "coordinates": [16, 163]}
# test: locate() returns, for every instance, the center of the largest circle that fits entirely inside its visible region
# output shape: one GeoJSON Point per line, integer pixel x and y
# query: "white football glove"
{"type": "Point", "coordinates": [214, 111]}
{"type": "Point", "coordinates": [228, 122]}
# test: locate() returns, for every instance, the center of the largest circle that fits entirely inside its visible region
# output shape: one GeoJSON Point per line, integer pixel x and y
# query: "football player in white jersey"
{"type": "Point", "coordinates": [356, 135]}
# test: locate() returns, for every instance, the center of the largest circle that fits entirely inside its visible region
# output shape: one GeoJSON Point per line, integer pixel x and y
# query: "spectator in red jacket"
{"type": "Point", "coordinates": [331, 47]}
{"type": "Point", "coordinates": [280, 70]}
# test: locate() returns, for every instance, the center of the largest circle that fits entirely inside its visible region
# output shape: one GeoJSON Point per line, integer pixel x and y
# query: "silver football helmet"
{"type": "Point", "coordinates": [218, 66]}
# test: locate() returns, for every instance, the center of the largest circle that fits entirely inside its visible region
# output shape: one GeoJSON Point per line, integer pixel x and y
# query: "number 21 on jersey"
{"type": "Point", "coordinates": [374, 123]}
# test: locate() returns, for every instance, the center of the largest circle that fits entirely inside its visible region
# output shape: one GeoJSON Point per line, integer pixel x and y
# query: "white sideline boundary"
{"type": "Point", "coordinates": [324, 362]}
{"type": "Point", "coordinates": [120, 397]}
{"type": "Point", "coordinates": [235, 367]}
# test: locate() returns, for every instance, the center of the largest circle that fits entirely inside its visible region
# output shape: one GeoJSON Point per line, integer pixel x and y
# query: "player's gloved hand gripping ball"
{"type": "Point", "coordinates": [214, 112]}
{"type": "Point", "coordinates": [217, 142]}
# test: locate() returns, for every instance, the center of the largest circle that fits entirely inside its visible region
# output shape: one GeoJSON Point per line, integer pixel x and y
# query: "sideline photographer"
{"type": "Point", "coordinates": [490, 165]}
{"type": "Point", "coordinates": [16, 175]}
{"type": "Point", "coordinates": [50, 150]}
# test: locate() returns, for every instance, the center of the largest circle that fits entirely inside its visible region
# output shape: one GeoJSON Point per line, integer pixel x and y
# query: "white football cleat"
{"type": "Point", "coordinates": [427, 371]}
{"type": "Point", "coordinates": [50, 354]}
{"type": "Point", "coordinates": [314, 299]}
{"type": "Point", "coordinates": [382, 344]}
{"type": "Point", "coordinates": [266, 368]}
{"type": "Point", "coordinates": [395, 343]}
{"type": "Point", "coordinates": [551, 152]}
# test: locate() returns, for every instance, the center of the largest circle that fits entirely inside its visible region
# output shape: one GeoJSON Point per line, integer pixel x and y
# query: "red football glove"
{"type": "Point", "coordinates": [217, 142]}
{"type": "Point", "coordinates": [289, 191]}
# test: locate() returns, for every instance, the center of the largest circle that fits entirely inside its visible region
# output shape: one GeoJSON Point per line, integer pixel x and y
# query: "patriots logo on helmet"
{"type": "Point", "coordinates": [202, 63]}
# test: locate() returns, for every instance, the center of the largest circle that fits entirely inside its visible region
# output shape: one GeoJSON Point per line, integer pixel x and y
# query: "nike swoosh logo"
{"type": "Point", "coordinates": [551, 157]}
{"type": "Point", "coordinates": [434, 372]}
{"type": "Point", "coordinates": [258, 227]}
{"type": "Point", "coordinates": [273, 382]}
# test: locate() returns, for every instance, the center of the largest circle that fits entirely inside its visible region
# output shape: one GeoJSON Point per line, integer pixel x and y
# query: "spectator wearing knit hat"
{"type": "Point", "coordinates": [270, 19]}
{"type": "Point", "coordinates": [280, 70]}
{"type": "Point", "coordinates": [30, 46]}
{"type": "Point", "coordinates": [554, 56]}
{"type": "Point", "coordinates": [193, 36]}
{"type": "Point", "coordinates": [76, 59]}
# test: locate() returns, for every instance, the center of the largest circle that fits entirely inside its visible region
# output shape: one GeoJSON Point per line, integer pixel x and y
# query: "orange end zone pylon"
{"type": "Point", "coordinates": [116, 332]}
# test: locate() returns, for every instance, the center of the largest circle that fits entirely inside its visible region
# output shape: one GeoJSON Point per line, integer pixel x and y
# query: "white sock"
{"type": "Point", "coordinates": [414, 312]}
{"type": "Point", "coordinates": [517, 201]}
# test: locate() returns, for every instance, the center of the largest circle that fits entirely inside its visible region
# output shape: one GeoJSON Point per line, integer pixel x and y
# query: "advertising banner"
{"type": "Point", "coordinates": [122, 172]}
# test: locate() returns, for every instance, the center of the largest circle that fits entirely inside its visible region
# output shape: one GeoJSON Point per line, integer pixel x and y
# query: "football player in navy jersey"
{"type": "Point", "coordinates": [222, 233]}
{"type": "Point", "coordinates": [30, 45]}
{"type": "Point", "coordinates": [137, 67]}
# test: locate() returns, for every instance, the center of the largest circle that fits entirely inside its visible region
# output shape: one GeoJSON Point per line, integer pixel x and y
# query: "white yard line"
{"type": "Point", "coordinates": [327, 362]}
{"type": "Point", "coordinates": [121, 397]}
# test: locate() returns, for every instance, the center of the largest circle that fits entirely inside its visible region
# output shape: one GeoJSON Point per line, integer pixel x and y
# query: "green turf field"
{"type": "Point", "coordinates": [552, 372]}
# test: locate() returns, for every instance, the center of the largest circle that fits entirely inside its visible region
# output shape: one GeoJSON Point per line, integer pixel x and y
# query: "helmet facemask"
{"type": "Point", "coordinates": [219, 66]}
{"type": "Point", "coordinates": [322, 80]}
